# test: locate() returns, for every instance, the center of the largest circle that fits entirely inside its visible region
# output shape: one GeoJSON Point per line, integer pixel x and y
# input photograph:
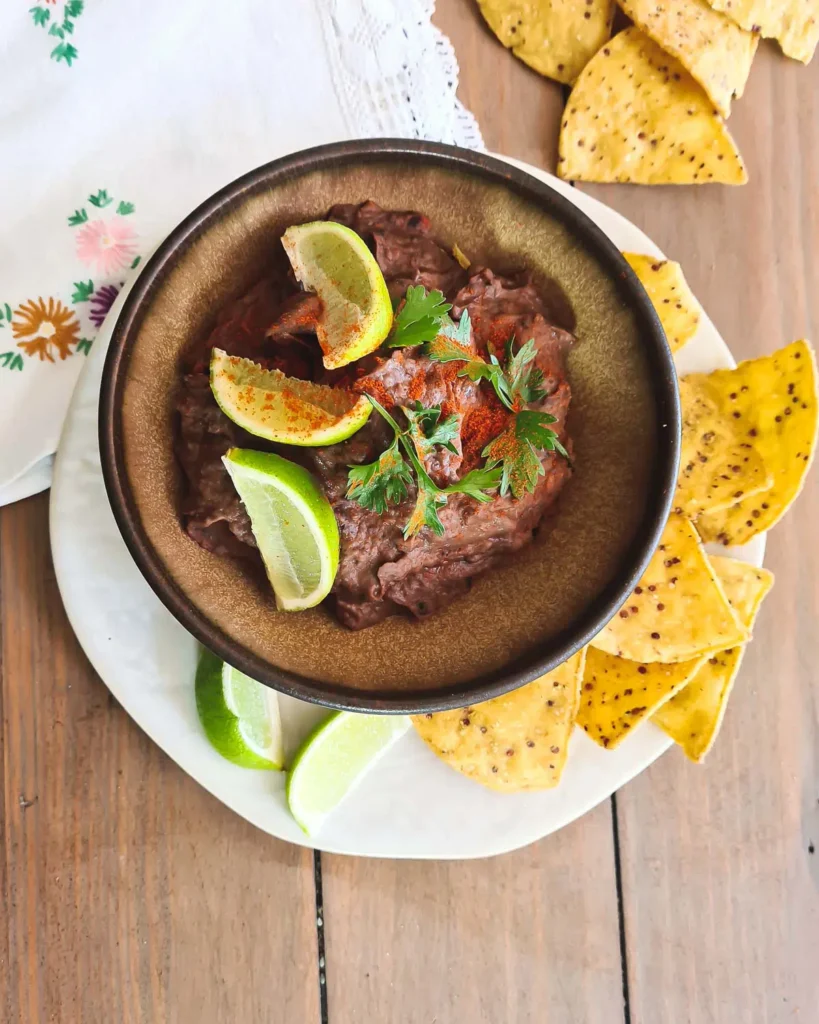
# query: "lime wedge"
{"type": "Point", "coordinates": [335, 263]}
{"type": "Point", "coordinates": [293, 523]}
{"type": "Point", "coordinates": [272, 405]}
{"type": "Point", "coordinates": [240, 716]}
{"type": "Point", "coordinates": [334, 758]}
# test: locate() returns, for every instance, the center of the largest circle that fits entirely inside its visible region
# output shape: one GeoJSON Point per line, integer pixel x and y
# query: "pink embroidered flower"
{"type": "Point", "coordinates": [109, 245]}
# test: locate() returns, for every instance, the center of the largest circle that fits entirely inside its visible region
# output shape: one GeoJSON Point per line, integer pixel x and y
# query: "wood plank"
{"type": "Point", "coordinates": [133, 895]}
{"type": "Point", "coordinates": [720, 881]}
{"type": "Point", "coordinates": [529, 936]}
{"type": "Point", "coordinates": [533, 935]}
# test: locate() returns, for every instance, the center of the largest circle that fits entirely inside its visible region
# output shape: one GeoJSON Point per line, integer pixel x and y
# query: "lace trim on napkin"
{"type": "Point", "coordinates": [396, 74]}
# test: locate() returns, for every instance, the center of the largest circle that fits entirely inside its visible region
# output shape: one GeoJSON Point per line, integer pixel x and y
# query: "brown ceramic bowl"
{"type": "Point", "coordinates": [516, 622]}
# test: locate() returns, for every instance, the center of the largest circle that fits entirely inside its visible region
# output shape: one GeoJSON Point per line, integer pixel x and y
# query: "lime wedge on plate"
{"type": "Point", "coordinates": [272, 405]}
{"type": "Point", "coordinates": [335, 263]}
{"type": "Point", "coordinates": [240, 716]}
{"type": "Point", "coordinates": [293, 523]}
{"type": "Point", "coordinates": [334, 758]}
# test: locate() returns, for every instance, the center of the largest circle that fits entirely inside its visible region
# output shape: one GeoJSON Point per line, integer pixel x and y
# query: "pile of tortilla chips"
{"type": "Point", "coordinates": [672, 652]}
{"type": "Point", "coordinates": [648, 105]}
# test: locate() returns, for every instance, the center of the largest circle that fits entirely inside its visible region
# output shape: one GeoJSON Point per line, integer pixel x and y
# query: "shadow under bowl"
{"type": "Point", "coordinates": [517, 622]}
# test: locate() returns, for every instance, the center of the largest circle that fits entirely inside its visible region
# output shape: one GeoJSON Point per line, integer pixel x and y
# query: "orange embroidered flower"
{"type": "Point", "coordinates": [45, 328]}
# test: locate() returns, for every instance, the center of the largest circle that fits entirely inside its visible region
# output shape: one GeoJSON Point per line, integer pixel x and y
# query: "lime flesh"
{"type": "Point", "coordinates": [334, 262]}
{"type": "Point", "coordinates": [293, 523]}
{"type": "Point", "coordinates": [272, 405]}
{"type": "Point", "coordinates": [334, 759]}
{"type": "Point", "coordinates": [240, 716]}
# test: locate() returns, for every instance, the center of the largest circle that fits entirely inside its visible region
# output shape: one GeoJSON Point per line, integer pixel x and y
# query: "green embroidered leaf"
{"type": "Point", "coordinates": [77, 217]}
{"type": "Point", "coordinates": [84, 345]}
{"type": "Point", "coordinates": [419, 319]}
{"type": "Point", "coordinates": [66, 52]}
{"type": "Point", "coordinates": [11, 360]}
{"type": "Point", "coordinates": [135, 262]}
{"type": "Point", "coordinates": [101, 199]}
{"type": "Point", "coordinates": [125, 208]}
{"type": "Point", "coordinates": [7, 308]}
{"type": "Point", "coordinates": [17, 362]}
{"type": "Point", "coordinates": [428, 504]}
{"type": "Point", "coordinates": [55, 30]}
{"type": "Point", "coordinates": [381, 483]}
{"type": "Point", "coordinates": [74, 8]}
{"type": "Point", "coordinates": [83, 290]}
{"type": "Point", "coordinates": [39, 15]}
{"type": "Point", "coordinates": [5, 357]}
{"type": "Point", "coordinates": [426, 432]}
{"type": "Point", "coordinates": [476, 483]}
{"type": "Point", "coordinates": [68, 26]}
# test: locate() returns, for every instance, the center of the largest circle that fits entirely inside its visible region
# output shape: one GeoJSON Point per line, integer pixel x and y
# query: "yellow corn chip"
{"type": "Point", "coordinates": [692, 717]}
{"type": "Point", "coordinates": [635, 114]}
{"type": "Point", "coordinates": [716, 51]}
{"type": "Point", "coordinates": [772, 402]}
{"type": "Point", "coordinates": [514, 742]}
{"type": "Point", "coordinates": [618, 694]}
{"type": "Point", "coordinates": [555, 37]}
{"type": "Point", "coordinates": [666, 286]}
{"type": "Point", "coordinates": [795, 23]}
{"type": "Point", "coordinates": [719, 465]}
{"type": "Point", "coordinates": [678, 611]}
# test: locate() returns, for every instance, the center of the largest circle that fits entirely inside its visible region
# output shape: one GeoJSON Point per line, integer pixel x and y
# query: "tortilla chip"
{"type": "Point", "coordinates": [666, 286]}
{"type": "Point", "coordinates": [678, 611]}
{"type": "Point", "coordinates": [514, 742]}
{"type": "Point", "coordinates": [555, 37]}
{"type": "Point", "coordinates": [718, 464]}
{"type": "Point", "coordinates": [713, 48]}
{"type": "Point", "coordinates": [795, 23]}
{"type": "Point", "coordinates": [618, 694]}
{"type": "Point", "coordinates": [773, 403]}
{"type": "Point", "coordinates": [635, 114]}
{"type": "Point", "coordinates": [692, 717]}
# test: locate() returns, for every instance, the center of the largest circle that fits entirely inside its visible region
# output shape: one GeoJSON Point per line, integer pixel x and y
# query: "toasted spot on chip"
{"type": "Point", "coordinates": [555, 37]}
{"type": "Point", "coordinates": [692, 717]}
{"type": "Point", "coordinates": [619, 694]}
{"type": "Point", "coordinates": [795, 23]}
{"type": "Point", "coordinates": [666, 286]}
{"type": "Point", "coordinates": [678, 611]}
{"type": "Point", "coordinates": [772, 402]}
{"type": "Point", "coordinates": [716, 51]}
{"type": "Point", "coordinates": [635, 114]}
{"type": "Point", "coordinates": [514, 742]}
{"type": "Point", "coordinates": [718, 464]}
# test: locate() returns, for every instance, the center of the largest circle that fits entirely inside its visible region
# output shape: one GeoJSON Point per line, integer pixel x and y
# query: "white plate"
{"type": "Point", "coordinates": [413, 806]}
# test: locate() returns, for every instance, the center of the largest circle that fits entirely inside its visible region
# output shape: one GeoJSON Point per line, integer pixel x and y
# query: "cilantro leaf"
{"type": "Point", "coordinates": [477, 369]}
{"type": "Point", "coordinates": [427, 430]}
{"type": "Point", "coordinates": [514, 450]}
{"type": "Point", "coordinates": [477, 483]}
{"type": "Point", "coordinates": [420, 318]}
{"type": "Point", "coordinates": [530, 425]}
{"type": "Point", "coordinates": [428, 504]}
{"type": "Point", "coordinates": [381, 483]}
{"type": "Point", "coordinates": [460, 333]}
{"type": "Point", "coordinates": [525, 380]}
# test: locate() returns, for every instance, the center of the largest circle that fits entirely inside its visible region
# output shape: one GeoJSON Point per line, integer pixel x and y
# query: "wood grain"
{"type": "Point", "coordinates": [132, 894]}
{"type": "Point", "coordinates": [720, 877]}
{"type": "Point", "coordinates": [531, 936]}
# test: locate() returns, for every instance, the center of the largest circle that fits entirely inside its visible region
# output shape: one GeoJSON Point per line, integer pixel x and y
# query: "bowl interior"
{"type": "Point", "coordinates": [515, 620]}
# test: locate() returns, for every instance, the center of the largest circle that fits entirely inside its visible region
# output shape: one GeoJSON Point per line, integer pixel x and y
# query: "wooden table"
{"type": "Point", "coordinates": [131, 895]}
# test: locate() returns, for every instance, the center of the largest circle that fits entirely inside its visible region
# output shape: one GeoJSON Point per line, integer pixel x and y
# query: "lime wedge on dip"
{"type": "Point", "coordinates": [272, 405]}
{"type": "Point", "coordinates": [293, 523]}
{"type": "Point", "coordinates": [240, 716]}
{"type": "Point", "coordinates": [334, 758]}
{"type": "Point", "coordinates": [335, 263]}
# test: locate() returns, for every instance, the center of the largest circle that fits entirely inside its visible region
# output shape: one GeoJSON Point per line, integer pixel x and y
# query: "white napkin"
{"type": "Point", "coordinates": [116, 120]}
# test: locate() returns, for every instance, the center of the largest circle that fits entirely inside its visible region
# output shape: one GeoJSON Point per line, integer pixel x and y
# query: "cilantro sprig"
{"type": "Point", "coordinates": [386, 481]}
{"type": "Point", "coordinates": [420, 317]}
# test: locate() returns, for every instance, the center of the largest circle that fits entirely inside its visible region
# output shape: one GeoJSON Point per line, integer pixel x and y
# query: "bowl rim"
{"type": "Point", "coordinates": [334, 695]}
